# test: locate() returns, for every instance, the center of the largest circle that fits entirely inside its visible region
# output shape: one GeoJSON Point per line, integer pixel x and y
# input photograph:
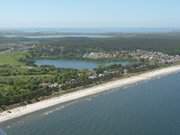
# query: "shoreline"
{"type": "Point", "coordinates": [24, 110]}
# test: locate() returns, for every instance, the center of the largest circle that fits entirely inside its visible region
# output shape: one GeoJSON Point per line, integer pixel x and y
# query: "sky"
{"type": "Point", "coordinates": [89, 13]}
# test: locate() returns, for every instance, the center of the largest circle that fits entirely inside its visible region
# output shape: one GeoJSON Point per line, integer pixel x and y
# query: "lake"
{"type": "Point", "coordinates": [148, 108]}
{"type": "Point", "coordinates": [77, 64]}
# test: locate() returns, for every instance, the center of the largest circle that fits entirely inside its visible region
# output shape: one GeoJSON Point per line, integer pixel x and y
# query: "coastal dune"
{"type": "Point", "coordinates": [24, 110]}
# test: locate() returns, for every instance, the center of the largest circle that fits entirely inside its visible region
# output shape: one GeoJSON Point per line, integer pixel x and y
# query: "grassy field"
{"type": "Point", "coordinates": [12, 58]}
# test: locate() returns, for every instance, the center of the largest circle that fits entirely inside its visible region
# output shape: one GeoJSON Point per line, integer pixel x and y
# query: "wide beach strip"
{"type": "Point", "coordinates": [24, 110]}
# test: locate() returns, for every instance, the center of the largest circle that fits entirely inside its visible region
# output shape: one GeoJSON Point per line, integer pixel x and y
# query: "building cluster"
{"type": "Point", "coordinates": [154, 56]}
{"type": "Point", "coordinates": [139, 55]}
{"type": "Point", "coordinates": [51, 85]}
{"type": "Point", "coordinates": [99, 55]}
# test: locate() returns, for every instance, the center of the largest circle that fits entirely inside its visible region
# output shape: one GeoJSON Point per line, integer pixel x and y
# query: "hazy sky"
{"type": "Point", "coordinates": [89, 13]}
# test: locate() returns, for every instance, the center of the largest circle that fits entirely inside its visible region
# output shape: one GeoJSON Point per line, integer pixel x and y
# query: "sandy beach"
{"type": "Point", "coordinates": [24, 110]}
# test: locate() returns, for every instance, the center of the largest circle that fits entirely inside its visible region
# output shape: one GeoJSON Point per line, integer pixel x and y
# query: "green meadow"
{"type": "Point", "coordinates": [12, 58]}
